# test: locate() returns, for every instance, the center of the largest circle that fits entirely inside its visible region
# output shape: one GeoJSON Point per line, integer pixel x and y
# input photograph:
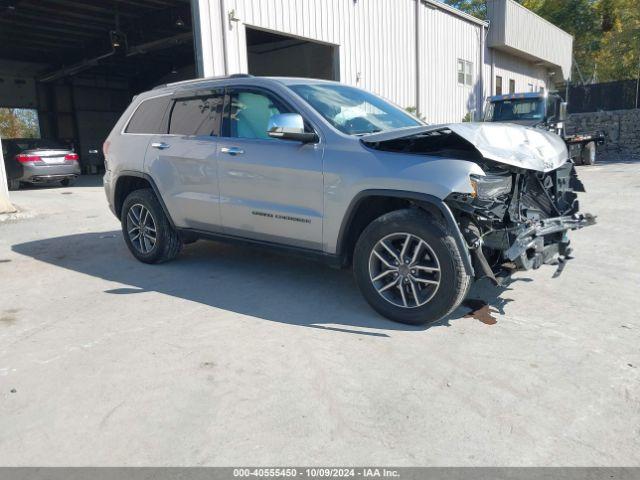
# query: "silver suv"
{"type": "Point", "coordinates": [335, 172]}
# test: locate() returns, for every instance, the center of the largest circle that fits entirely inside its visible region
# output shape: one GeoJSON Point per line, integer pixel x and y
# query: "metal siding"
{"type": "Point", "coordinates": [445, 39]}
{"type": "Point", "coordinates": [375, 38]}
{"type": "Point", "coordinates": [376, 47]}
{"type": "Point", "coordinates": [211, 42]}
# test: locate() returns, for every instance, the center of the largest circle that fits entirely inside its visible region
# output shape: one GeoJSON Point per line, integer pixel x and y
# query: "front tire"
{"type": "Point", "coordinates": [409, 269]}
{"type": "Point", "coordinates": [147, 230]}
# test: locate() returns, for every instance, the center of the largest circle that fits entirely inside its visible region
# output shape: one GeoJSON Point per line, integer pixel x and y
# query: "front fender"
{"type": "Point", "coordinates": [429, 202]}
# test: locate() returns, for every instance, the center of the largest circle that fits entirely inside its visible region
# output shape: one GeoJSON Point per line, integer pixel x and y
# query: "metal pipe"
{"type": "Point", "coordinates": [76, 68]}
{"type": "Point", "coordinates": [135, 50]}
{"type": "Point", "coordinates": [159, 44]}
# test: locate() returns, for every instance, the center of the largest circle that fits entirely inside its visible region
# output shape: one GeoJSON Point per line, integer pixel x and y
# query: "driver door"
{"type": "Point", "coordinates": [270, 189]}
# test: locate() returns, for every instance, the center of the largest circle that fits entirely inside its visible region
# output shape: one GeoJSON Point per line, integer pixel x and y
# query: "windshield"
{"type": "Point", "coordinates": [354, 111]}
{"type": "Point", "coordinates": [517, 109]}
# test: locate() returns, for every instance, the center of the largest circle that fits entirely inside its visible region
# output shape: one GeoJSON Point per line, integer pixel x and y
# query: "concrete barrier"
{"type": "Point", "coordinates": [5, 203]}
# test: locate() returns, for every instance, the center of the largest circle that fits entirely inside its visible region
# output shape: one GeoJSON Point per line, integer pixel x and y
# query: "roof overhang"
{"type": "Point", "coordinates": [520, 32]}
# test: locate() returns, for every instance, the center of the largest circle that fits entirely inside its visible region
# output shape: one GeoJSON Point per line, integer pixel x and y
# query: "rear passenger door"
{"type": "Point", "coordinates": [183, 161]}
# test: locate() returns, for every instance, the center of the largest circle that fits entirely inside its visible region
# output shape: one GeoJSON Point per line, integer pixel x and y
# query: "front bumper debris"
{"type": "Point", "coordinates": [543, 242]}
{"type": "Point", "coordinates": [532, 237]}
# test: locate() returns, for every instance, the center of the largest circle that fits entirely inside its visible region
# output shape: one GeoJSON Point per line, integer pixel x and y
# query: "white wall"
{"type": "Point", "coordinates": [509, 67]}
{"type": "Point", "coordinates": [445, 39]}
{"type": "Point", "coordinates": [376, 47]}
{"type": "Point", "coordinates": [375, 38]}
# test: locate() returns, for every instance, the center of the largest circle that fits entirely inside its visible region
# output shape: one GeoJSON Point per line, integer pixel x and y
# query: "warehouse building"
{"type": "Point", "coordinates": [76, 64]}
{"type": "Point", "coordinates": [424, 55]}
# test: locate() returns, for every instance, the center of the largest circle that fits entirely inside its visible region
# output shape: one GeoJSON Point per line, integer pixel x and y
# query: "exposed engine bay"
{"type": "Point", "coordinates": [520, 209]}
{"type": "Point", "coordinates": [518, 220]}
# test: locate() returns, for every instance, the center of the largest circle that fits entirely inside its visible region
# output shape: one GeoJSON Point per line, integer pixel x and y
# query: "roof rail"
{"type": "Point", "coordinates": [196, 80]}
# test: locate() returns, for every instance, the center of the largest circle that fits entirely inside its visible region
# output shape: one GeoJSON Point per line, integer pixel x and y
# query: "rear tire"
{"type": "Point", "coordinates": [417, 301]}
{"type": "Point", "coordinates": [588, 154]}
{"type": "Point", "coordinates": [13, 184]}
{"type": "Point", "coordinates": [147, 230]}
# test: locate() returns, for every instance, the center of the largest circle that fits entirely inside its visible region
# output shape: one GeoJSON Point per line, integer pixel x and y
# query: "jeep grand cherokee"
{"type": "Point", "coordinates": [332, 171]}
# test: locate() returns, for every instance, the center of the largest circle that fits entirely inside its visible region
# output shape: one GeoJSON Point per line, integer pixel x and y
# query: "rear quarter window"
{"type": "Point", "coordinates": [149, 116]}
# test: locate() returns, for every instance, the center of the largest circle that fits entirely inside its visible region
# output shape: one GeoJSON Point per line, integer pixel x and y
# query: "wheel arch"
{"type": "Point", "coordinates": [368, 205]}
{"type": "Point", "coordinates": [130, 180]}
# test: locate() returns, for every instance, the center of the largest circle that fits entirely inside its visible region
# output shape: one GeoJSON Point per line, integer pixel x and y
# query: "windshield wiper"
{"type": "Point", "coordinates": [360, 134]}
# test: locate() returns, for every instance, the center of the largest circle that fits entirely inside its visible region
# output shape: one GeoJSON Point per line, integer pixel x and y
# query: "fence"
{"type": "Point", "coordinates": [621, 95]}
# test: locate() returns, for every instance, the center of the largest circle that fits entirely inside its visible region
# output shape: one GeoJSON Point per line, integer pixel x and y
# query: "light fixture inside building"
{"type": "Point", "coordinates": [179, 22]}
{"type": "Point", "coordinates": [8, 5]}
{"type": "Point", "coordinates": [117, 38]}
{"type": "Point", "coordinates": [174, 71]}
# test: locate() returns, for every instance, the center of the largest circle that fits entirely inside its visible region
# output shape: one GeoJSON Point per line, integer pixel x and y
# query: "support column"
{"type": "Point", "coordinates": [208, 20]}
{"type": "Point", "coordinates": [5, 204]}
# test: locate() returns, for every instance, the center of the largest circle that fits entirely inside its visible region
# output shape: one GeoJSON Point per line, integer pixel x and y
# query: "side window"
{"type": "Point", "coordinates": [148, 116]}
{"type": "Point", "coordinates": [248, 114]}
{"type": "Point", "coordinates": [461, 71]}
{"type": "Point", "coordinates": [196, 115]}
{"type": "Point", "coordinates": [465, 72]}
{"type": "Point", "coordinates": [468, 73]}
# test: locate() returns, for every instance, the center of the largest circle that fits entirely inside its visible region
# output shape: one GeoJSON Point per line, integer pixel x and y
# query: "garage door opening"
{"type": "Point", "coordinates": [79, 63]}
{"type": "Point", "coordinates": [272, 54]}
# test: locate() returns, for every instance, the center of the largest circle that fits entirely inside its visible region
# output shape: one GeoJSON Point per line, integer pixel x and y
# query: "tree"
{"type": "Point", "coordinates": [477, 8]}
{"type": "Point", "coordinates": [577, 17]}
{"type": "Point", "coordinates": [618, 54]}
{"type": "Point", "coordinates": [19, 123]}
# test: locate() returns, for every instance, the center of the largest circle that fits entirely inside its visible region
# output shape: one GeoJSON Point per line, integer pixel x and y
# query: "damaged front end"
{"type": "Point", "coordinates": [518, 219]}
{"type": "Point", "coordinates": [518, 211]}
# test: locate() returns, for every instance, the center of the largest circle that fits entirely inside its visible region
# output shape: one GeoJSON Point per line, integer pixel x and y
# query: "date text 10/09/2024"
{"type": "Point", "coordinates": [369, 472]}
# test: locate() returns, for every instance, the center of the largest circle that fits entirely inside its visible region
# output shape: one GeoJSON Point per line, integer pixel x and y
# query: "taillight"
{"type": "Point", "coordinates": [24, 158]}
{"type": "Point", "coordinates": [71, 157]}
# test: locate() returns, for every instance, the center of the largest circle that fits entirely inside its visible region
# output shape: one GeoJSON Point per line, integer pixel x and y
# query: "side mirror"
{"type": "Point", "coordinates": [562, 112]}
{"type": "Point", "coordinates": [289, 126]}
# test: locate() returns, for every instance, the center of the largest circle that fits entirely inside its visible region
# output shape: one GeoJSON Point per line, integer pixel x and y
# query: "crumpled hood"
{"type": "Point", "coordinates": [516, 145]}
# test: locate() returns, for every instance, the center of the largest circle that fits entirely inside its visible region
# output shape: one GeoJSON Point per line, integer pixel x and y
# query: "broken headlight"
{"type": "Point", "coordinates": [490, 186]}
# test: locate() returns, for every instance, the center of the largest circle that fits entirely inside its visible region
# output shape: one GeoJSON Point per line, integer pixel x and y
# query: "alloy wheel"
{"type": "Point", "coordinates": [404, 270]}
{"type": "Point", "coordinates": [141, 228]}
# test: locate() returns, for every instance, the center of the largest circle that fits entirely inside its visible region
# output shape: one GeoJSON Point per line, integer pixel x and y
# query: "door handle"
{"type": "Point", "coordinates": [232, 150]}
{"type": "Point", "coordinates": [160, 145]}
